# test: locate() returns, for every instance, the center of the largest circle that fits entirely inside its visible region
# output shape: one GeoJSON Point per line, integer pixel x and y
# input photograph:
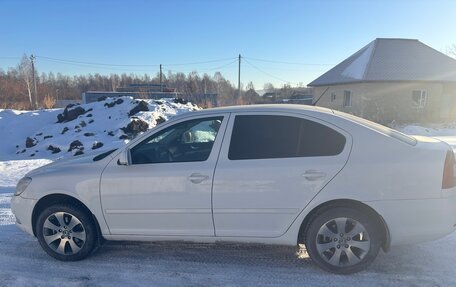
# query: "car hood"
{"type": "Point", "coordinates": [63, 163]}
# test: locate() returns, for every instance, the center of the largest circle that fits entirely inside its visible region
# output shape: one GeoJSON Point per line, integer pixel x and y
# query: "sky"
{"type": "Point", "coordinates": [280, 42]}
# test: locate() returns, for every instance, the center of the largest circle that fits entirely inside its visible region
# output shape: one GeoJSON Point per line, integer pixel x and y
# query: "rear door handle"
{"type": "Point", "coordinates": [312, 175]}
{"type": "Point", "coordinates": [197, 177]}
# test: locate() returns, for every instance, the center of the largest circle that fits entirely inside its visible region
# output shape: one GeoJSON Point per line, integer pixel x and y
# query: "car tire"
{"type": "Point", "coordinates": [342, 240]}
{"type": "Point", "coordinates": [66, 232]}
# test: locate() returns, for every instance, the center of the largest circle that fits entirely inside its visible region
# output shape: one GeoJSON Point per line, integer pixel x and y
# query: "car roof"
{"type": "Point", "coordinates": [268, 107]}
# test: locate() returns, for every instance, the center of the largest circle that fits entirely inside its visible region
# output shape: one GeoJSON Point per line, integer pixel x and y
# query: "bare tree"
{"type": "Point", "coordinates": [268, 87]}
{"type": "Point", "coordinates": [26, 75]}
{"type": "Point", "coordinates": [17, 83]}
{"type": "Point", "coordinates": [49, 102]}
{"type": "Point", "coordinates": [250, 86]}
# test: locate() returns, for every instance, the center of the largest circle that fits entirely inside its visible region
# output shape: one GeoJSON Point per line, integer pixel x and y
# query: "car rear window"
{"type": "Point", "coordinates": [379, 128]}
{"type": "Point", "coordinates": [270, 136]}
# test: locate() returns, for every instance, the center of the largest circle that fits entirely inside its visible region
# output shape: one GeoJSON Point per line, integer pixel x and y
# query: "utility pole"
{"type": "Point", "coordinates": [32, 59]}
{"type": "Point", "coordinates": [161, 86]}
{"type": "Point", "coordinates": [239, 78]}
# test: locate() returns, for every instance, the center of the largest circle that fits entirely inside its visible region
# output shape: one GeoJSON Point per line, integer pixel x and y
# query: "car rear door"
{"type": "Point", "coordinates": [270, 167]}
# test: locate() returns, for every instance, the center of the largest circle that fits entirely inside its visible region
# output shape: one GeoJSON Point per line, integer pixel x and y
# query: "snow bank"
{"type": "Point", "coordinates": [13, 170]}
{"type": "Point", "coordinates": [430, 131]}
{"type": "Point", "coordinates": [108, 124]}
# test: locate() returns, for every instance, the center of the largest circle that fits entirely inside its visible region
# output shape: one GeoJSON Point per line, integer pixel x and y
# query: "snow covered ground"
{"type": "Point", "coordinates": [444, 132]}
{"type": "Point", "coordinates": [23, 263]}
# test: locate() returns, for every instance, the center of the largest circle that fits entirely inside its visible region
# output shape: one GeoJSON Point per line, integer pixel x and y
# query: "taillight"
{"type": "Point", "coordinates": [448, 171]}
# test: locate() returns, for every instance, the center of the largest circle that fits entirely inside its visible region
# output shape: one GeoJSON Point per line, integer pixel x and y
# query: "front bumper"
{"type": "Point", "coordinates": [22, 209]}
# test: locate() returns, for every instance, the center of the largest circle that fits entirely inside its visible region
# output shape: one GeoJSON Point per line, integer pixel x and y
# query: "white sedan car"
{"type": "Point", "coordinates": [273, 174]}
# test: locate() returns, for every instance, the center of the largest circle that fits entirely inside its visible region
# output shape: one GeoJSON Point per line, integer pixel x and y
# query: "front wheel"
{"type": "Point", "coordinates": [66, 232]}
{"type": "Point", "coordinates": [342, 240]}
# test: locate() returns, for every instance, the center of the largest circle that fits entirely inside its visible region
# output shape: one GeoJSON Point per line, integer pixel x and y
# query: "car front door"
{"type": "Point", "coordinates": [166, 187]}
{"type": "Point", "coordinates": [269, 168]}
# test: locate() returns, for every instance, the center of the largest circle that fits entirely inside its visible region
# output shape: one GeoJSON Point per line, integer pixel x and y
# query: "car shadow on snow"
{"type": "Point", "coordinates": [207, 253]}
{"type": "Point", "coordinates": [241, 255]}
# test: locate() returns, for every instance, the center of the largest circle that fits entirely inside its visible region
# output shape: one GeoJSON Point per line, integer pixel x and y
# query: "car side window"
{"type": "Point", "coordinates": [183, 142]}
{"type": "Point", "coordinates": [270, 136]}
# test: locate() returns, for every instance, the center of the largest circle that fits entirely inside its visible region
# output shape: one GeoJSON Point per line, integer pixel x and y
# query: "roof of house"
{"type": "Point", "coordinates": [392, 60]}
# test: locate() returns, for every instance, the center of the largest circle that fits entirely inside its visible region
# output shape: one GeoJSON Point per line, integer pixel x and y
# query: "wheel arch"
{"type": "Point", "coordinates": [366, 209]}
{"type": "Point", "coordinates": [51, 199]}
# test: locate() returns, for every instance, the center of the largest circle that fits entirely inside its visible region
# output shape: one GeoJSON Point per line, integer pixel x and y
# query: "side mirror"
{"type": "Point", "coordinates": [123, 158]}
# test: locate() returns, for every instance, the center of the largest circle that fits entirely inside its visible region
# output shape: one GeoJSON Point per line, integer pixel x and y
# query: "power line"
{"type": "Point", "coordinates": [268, 74]}
{"type": "Point", "coordinates": [134, 70]}
{"type": "Point", "coordinates": [99, 67]}
{"type": "Point", "coordinates": [125, 66]}
{"type": "Point", "coordinates": [223, 66]}
{"type": "Point", "coordinates": [205, 70]}
{"type": "Point", "coordinates": [202, 62]}
{"type": "Point", "coordinates": [133, 65]}
{"type": "Point", "coordinates": [128, 67]}
{"type": "Point", "coordinates": [171, 64]}
{"type": "Point", "coordinates": [287, 63]}
{"type": "Point", "coordinates": [94, 63]}
{"type": "Point", "coordinates": [292, 69]}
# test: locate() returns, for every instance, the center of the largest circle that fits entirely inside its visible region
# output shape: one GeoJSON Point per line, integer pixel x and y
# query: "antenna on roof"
{"type": "Point", "coordinates": [315, 103]}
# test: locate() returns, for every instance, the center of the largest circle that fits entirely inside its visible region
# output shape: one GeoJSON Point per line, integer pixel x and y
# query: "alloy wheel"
{"type": "Point", "coordinates": [64, 233]}
{"type": "Point", "coordinates": [342, 242]}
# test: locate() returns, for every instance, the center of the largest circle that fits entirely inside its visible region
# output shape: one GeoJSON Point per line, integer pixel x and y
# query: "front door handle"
{"type": "Point", "coordinates": [197, 177]}
{"type": "Point", "coordinates": [312, 175]}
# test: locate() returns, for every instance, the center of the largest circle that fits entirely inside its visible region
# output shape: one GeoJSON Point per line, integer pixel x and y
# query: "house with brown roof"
{"type": "Point", "coordinates": [391, 80]}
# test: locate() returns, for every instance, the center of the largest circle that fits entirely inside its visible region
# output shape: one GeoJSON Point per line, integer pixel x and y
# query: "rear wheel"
{"type": "Point", "coordinates": [342, 240]}
{"type": "Point", "coordinates": [66, 232]}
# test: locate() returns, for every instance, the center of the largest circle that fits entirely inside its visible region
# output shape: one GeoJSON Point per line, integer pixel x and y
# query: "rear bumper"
{"type": "Point", "coordinates": [22, 209]}
{"type": "Point", "coordinates": [415, 221]}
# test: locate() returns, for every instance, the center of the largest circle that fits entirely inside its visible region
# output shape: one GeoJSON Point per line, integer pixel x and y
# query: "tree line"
{"type": "Point", "coordinates": [16, 86]}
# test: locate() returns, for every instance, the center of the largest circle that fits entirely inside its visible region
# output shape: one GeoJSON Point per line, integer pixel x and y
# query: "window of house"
{"type": "Point", "coordinates": [183, 142]}
{"type": "Point", "coordinates": [347, 99]}
{"type": "Point", "coordinates": [333, 97]}
{"type": "Point", "coordinates": [267, 136]}
{"type": "Point", "coordinates": [419, 98]}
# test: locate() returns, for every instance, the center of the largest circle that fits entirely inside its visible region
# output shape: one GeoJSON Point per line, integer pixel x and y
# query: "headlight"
{"type": "Point", "coordinates": [22, 185]}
